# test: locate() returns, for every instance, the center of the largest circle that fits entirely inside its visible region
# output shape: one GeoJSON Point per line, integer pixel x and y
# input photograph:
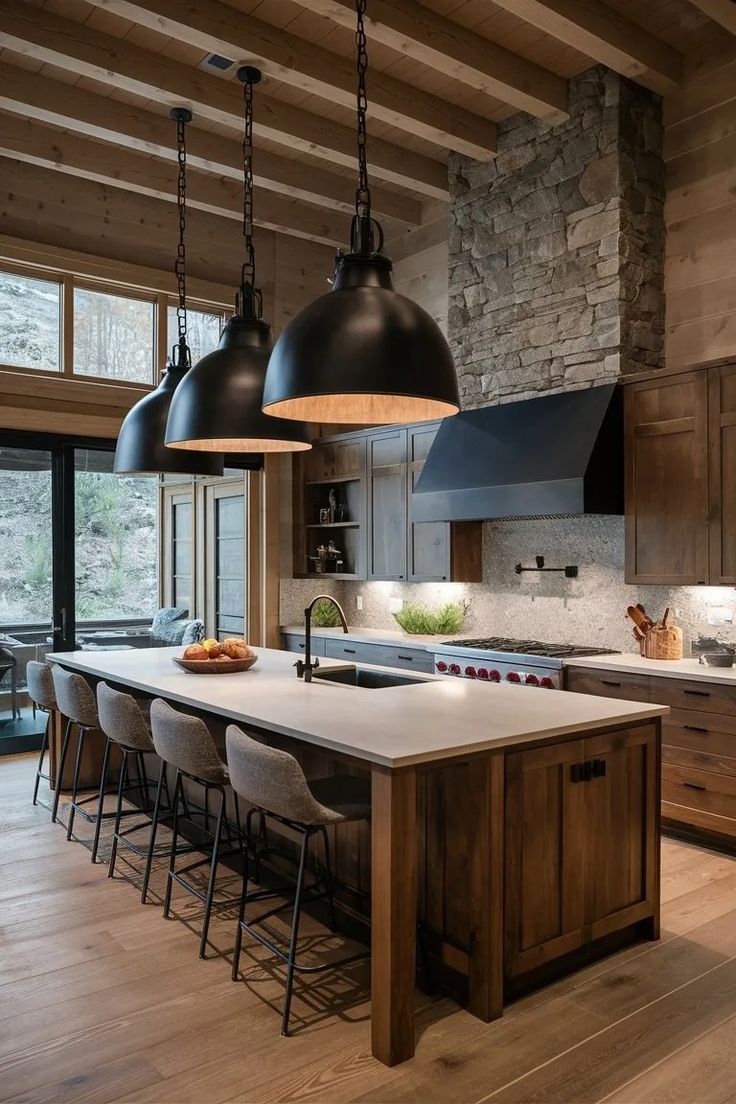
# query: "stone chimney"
{"type": "Point", "coordinates": [557, 248]}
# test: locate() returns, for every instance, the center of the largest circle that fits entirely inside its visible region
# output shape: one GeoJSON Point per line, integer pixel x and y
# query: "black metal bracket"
{"type": "Point", "coordinates": [591, 768]}
{"type": "Point", "coordinates": [570, 571]}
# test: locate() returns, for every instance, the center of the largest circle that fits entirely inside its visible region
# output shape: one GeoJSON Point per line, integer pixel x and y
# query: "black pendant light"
{"type": "Point", "coordinates": [140, 448]}
{"type": "Point", "coordinates": [219, 404]}
{"type": "Point", "coordinates": [362, 353]}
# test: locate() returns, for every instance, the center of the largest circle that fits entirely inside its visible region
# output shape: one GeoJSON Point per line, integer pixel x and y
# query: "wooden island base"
{"type": "Point", "coordinates": [515, 866]}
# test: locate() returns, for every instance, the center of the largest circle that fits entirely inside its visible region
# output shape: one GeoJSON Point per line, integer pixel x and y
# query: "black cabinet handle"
{"type": "Point", "coordinates": [576, 772]}
{"type": "Point", "coordinates": [693, 786]}
{"type": "Point", "coordinates": [698, 693]}
{"type": "Point", "coordinates": [610, 682]}
{"type": "Point", "coordinates": [301, 645]}
{"type": "Point", "coordinates": [598, 768]}
{"type": "Point", "coordinates": [349, 651]}
{"type": "Point", "coordinates": [696, 728]}
{"type": "Point", "coordinates": [410, 659]}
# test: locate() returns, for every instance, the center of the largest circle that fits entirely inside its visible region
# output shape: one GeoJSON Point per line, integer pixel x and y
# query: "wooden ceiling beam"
{"type": "Point", "coordinates": [437, 42]}
{"type": "Point", "coordinates": [51, 148]}
{"type": "Point", "coordinates": [40, 34]}
{"type": "Point", "coordinates": [58, 104]}
{"type": "Point", "coordinates": [216, 27]}
{"type": "Point", "coordinates": [721, 11]}
{"type": "Point", "coordinates": [606, 36]}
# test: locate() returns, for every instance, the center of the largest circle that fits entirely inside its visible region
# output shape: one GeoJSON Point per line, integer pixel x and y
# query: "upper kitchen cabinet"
{"type": "Point", "coordinates": [387, 505]}
{"type": "Point", "coordinates": [722, 454]}
{"type": "Point", "coordinates": [666, 422]}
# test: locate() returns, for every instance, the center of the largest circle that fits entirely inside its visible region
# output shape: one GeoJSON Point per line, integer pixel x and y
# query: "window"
{"type": "Point", "coordinates": [203, 332]}
{"type": "Point", "coordinates": [30, 322]}
{"type": "Point", "coordinates": [25, 536]}
{"type": "Point", "coordinates": [181, 552]}
{"type": "Point", "coordinates": [230, 566]}
{"type": "Point", "coordinates": [113, 336]}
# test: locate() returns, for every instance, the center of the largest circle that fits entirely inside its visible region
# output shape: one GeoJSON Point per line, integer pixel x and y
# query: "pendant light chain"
{"type": "Point", "coordinates": [248, 274]}
{"type": "Point", "coordinates": [180, 267]}
{"type": "Point", "coordinates": [363, 195]}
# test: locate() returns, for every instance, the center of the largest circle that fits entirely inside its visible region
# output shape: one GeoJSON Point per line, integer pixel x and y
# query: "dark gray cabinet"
{"type": "Point", "coordinates": [428, 550]}
{"type": "Point", "coordinates": [387, 505]}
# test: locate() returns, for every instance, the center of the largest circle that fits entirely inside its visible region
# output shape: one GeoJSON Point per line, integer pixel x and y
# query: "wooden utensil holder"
{"type": "Point", "coordinates": [662, 642]}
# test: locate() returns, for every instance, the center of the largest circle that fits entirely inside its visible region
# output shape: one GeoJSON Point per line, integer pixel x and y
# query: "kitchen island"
{"type": "Point", "coordinates": [518, 827]}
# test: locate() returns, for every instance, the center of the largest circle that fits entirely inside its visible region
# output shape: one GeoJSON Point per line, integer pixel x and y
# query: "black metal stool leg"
{"type": "Point", "coordinates": [118, 812]}
{"type": "Point", "coordinates": [294, 934]}
{"type": "Point", "coordinates": [75, 781]}
{"type": "Point", "coordinates": [154, 829]}
{"type": "Point", "coordinates": [44, 747]}
{"type": "Point", "coordinates": [172, 853]}
{"type": "Point", "coordinates": [213, 875]}
{"type": "Point", "coordinates": [60, 770]}
{"type": "Point", "coordinates": [241, 918]}
{"type": "Point", "coordinates": [143, 779]}
{"type": "Point", "coordinates": [101, 802]}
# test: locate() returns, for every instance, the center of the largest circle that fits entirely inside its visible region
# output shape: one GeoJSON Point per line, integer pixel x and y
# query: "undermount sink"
{"type": "Point", "coordinates": [363, 677]}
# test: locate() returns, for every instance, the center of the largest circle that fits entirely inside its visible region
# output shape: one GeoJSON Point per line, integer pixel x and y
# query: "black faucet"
{"type": "Point", "coordinates": [304, 667]}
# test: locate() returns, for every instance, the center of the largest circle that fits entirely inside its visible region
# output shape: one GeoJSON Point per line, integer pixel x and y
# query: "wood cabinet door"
{"type": "Point", "coordinates": [621, 845]}
{"type": "Point", "coordinates": [667, 480]}
{"type": "Point", "coordinates": [722, 451]}
{"type": "Point", "coordinates": [335, 460]}
{"type": "Point", "coordinates": [428, 547]}
{"type": "Point", "coordinates": [387, 514]}
{"type": "Point", "coordinates": [545, 849]}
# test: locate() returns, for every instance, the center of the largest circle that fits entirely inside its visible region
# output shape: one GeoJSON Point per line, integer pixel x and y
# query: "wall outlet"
{"type": "Point", "coordinates": [395, 605]}
{"type": "Point", "coordinates": [359, 601]}
{"type": "Point", "coordinates": [720, 615]}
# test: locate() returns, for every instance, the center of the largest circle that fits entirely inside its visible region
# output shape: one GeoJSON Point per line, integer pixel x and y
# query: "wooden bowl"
{"type": "Point", "coordinates": [223, 665]}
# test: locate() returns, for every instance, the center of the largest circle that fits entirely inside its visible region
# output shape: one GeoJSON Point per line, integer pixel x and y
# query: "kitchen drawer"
{"type": "Point", "coordinates": [683, 816]}
{"type": "Point", "coordinates": [608, 684]}
{"type": "Point", "coordinates": [702, 758]}
{"type": "Point", "coordinates": [702, 790]}
{"type": "Point", "coordinates": [416, 659]}
{"type": "Point", "coordinates": [691, 729]}
{"type": "Point", "coordinates": [710, 697]}
{"type": "Point", "coordinates": [294, 642]}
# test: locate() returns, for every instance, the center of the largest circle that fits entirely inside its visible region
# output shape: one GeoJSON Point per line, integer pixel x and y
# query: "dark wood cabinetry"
{"type": "Point", "coordinates": [374, 473]}
{"type": "Point", "coordinates": [681, 477]}
{"type": "Point", "coordinates": [588, 867]}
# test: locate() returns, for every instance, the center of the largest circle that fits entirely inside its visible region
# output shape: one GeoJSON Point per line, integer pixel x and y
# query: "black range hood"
{"type": "Point", "coordinates": [556, 455]}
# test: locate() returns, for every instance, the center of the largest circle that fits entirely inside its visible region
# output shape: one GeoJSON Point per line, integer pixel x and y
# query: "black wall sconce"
{"type": "Point", "coordinates": [570, 572]}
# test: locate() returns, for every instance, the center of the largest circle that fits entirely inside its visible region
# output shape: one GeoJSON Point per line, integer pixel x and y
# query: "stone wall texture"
{"type": "Point", "coordinates": [557, 248]}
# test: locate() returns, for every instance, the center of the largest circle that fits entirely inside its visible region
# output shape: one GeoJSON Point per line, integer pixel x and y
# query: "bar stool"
{"type": "Point", "coordinates": [41, 692]}
{"type": "Point", "coordinates": [123, 722]}
{"type": "Point", "coordinates": [275, 785]}
{"type": "Point", "coordinates": [185, 743]}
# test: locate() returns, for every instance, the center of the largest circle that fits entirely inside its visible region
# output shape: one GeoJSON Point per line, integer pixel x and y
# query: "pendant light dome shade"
{"type": "Point", "coordinates": [141, 449]}
{"type": "Point", "coordinates": [362, 354]}
{"type": "Point", "coordinates": [218, 404]}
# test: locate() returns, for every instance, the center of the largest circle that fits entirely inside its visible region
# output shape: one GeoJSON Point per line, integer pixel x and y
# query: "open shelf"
{"type": "Point", "coordinates": [329, 575]}
{"type": "Point", "coordinates": [335, 525]}
{"type": "Point", "coordinates": [335, 479]}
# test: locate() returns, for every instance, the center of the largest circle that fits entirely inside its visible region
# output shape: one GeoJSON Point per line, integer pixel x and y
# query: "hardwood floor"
{"type": "Point", "coordinates": [101, 1000]}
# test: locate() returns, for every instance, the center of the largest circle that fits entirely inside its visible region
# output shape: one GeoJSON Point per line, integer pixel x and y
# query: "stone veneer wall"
{"type": "Point", "coordinates": [557, 248]}
{"type": "Point", "coordinates": [556, 252]}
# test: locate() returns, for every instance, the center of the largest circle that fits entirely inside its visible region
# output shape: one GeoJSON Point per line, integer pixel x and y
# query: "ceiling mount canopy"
{"type": "Point", "coordinates": [218, 407]}
{"type": "Point", "coordinates": [140, 449]}
{"type": "Point", "coordinates": [362, 353]}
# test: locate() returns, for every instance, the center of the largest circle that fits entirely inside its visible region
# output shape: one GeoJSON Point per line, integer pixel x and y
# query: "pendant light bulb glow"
{"type": "Point", "coordinates": [218, 407]}
{"type": "Point", "coordinates": [362, 354]}
{"type": "Point", "coordinates": [140, 449]}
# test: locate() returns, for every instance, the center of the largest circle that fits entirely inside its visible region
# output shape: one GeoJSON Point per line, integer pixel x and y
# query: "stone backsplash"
{"type": "Point", "coordinates": [588, 610]}
{"type": "Point", "coordinates": [557, 248]}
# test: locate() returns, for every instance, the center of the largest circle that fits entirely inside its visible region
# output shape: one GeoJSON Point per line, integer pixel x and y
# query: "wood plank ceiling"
{"type": "Point", "coordinates": [85, 90]}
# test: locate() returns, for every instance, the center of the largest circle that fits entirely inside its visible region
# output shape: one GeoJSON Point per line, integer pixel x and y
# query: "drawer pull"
{"type": "Point", "coordinates": [610, 682]}
{"type": "Point", "coordinates": [693, 785]}
{"type": "Point", "coordinates": [696, 728]}
{"type": "Point", "coordinates": [698, 693]}
{"type": "Point", "coordinates": [410, 659]}
{"type": "Point", "coordinates": [349, 651]}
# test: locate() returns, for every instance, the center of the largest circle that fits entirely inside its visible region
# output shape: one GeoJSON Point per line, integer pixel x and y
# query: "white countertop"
{"type": "Point", "coordinates": [394, 727]}
{"type": "Point", "coordinates": [379, 636]}
{"type": "Point", "coordinates": [634, 664]}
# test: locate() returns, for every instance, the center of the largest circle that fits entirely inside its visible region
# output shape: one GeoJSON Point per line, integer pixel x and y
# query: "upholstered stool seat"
{"type": "Point", "coordinates": [274, 784]}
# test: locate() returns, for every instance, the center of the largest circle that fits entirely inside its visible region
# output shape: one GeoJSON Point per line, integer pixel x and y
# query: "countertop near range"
{"type": "Point", "coordinates": [633, 664]}
{"type": "Point", "coordinates": [429, 720]}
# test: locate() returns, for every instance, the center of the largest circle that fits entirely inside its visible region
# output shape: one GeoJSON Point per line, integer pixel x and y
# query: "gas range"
{"type": "Point", "coordinates": [499, 659]}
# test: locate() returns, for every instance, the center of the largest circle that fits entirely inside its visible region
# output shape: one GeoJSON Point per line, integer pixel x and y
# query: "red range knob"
{"type": "Point", "coordinates": [494, 676]}
{"type": "Point", "coordinates": [482, 674]}
{"type": "Point", "coordinates": [531, 680]}
{"type": "Point", "coordinates": [547, 683]}
{"type": "Point", "coordinates": [454, 669]}
{"type": "Point", "coordinates": [513, 676]}
{"type": "Point", "coordinates": [470, 672]}
{"type": "Point", "coordinates": [441, 665]}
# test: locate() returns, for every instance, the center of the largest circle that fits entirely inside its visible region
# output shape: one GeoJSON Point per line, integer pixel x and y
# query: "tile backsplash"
{"type": "Point", "coordinates": [590, 609]}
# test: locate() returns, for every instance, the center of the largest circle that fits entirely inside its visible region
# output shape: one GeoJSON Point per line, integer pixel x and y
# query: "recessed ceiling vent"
{"type": "Point", "coordinates": [216, 61]}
